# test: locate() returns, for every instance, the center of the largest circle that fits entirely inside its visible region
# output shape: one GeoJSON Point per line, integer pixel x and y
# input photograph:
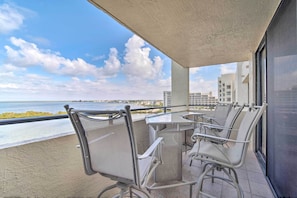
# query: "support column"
{"type": "Point", "coordinates": [180, 86]}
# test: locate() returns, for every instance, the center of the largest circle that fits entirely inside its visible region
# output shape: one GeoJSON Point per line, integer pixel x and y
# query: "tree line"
{"type": "Point", "coordinates": [11, 115]}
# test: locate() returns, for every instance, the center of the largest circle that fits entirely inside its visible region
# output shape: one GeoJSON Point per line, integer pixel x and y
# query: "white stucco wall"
{"type": "Point", "coordinates": [180, 86]}
{"type": "Point", "coordinates": [242, 83]}
{"type": "Point", "coordinates": [54, 168]}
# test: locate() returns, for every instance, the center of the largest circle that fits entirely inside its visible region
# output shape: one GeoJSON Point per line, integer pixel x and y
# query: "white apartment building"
{"type": "Point", "coordinates": [202, 99]}
{"type": "Point", "coordinates": [226, 88]}
{"type": "Point", "coordinates": [167, 98]}
{"type": "Point", "coordinates": [194, 98]}
{"type": "Point", "coordinates": [232, 87]}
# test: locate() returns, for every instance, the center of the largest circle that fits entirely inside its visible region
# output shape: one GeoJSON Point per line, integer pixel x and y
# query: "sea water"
{"type": "Point", "coordinates": [57, 106]}
{"type": "Point", "coordinates": [24, 133]}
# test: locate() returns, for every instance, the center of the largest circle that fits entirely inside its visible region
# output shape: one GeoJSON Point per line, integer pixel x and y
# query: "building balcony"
{"type": "Point", "coordinates": [51, 166]}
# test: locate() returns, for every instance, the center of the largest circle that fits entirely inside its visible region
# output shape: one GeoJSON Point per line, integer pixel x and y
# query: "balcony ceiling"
{"type": "Point", "coordinates": [196, 32]}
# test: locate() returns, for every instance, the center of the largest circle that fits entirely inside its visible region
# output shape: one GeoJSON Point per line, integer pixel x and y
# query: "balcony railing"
{"type": "Point", "coordinates": [53, 167]}
{"type": "Point", "coordinates": [164, 109]}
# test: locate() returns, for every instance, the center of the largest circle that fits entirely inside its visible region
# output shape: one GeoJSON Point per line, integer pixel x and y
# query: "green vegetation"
{"type": "Point", "coordinates": [10, 115]}
{"type": "Point", "coordinates": [148, 111]}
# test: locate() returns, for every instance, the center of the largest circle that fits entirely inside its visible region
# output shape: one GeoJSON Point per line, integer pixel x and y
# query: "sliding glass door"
{"type": "Point", "coordinates": [261, 97]}
{"type": "Point", "coordinates": [278, 144]}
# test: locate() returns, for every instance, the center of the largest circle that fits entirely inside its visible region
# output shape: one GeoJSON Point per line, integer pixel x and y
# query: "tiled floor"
{"type": "Point", "coordinates": [250, 175]}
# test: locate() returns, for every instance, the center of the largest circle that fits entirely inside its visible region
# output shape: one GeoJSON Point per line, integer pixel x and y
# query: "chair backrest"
{"type": "Point", "coordinates": [247, 126]}
{"type": "Point", "coordinates": [221, 112]}
{"type": "Point", "coordinates": [230, 121]}
{"type": "Point", "coordinates": [107, 143]}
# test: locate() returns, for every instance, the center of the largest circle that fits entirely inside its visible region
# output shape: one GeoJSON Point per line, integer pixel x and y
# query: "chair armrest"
{"type": "Point", "coordinates": [207, 126]}
{"type": "Point", "coordinates": [216, 138]}
{"type": "Point", "coordinates": [202, 124]}
{"type": "Point", "coordinates": [151, 149]}
{"type": "Point", "coordinates": [214, 126]}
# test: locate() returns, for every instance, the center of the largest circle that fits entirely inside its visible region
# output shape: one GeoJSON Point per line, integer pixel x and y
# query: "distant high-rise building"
{"type": "Point", "coordinates": [167, 98]}
{"type": "Point", "coordinates": [233, 87]}
{"type": "Point", "coordinates": [226, 88]}
{"type": "Point", "coordinates": [194, 98]}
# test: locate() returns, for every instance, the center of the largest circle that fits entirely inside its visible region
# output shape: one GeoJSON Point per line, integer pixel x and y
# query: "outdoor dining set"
{"type": "Point", "coordinates": [109, 147]}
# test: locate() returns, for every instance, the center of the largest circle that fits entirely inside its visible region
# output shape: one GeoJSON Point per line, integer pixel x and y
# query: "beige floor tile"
{"type": "Point", "coordinates": [261, 190]}
{"type": "Point", "coordinates": [256, 177]}
{"type": "Point", "coordinates": [250, 175]}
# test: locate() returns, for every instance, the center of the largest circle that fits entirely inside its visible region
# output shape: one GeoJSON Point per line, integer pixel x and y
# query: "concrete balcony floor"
{"type": "Point", "coordinates": [250, 175]}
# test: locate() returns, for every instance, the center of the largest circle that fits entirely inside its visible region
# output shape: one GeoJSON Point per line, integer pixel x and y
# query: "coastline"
{"type": "Point", "coordinates": [29, 109]}
{"type": "Point", "coordinates": [58, 106]}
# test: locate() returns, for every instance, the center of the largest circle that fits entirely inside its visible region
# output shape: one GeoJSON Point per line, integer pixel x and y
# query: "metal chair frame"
{"type": "Point", "coordinates": [220, 158]}
{"type": "Point", "coordinates": [91, 127]}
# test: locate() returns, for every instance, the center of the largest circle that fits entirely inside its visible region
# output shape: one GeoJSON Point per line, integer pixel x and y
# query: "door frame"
{"type": "Point", "coordinates": [259, 99]}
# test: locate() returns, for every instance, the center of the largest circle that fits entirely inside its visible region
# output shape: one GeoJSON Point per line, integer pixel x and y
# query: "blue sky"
{"type": "Point", "coordinates": [72, 51]}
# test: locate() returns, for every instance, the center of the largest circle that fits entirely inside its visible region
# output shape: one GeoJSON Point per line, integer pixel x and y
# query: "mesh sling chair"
{"type": "Point", "coordinates": [220, 114]}
{"type": "Point", "coordinates": [226, 159]}
{"type": "Point", "coordinates": [218, 130]}
{"type": "Point", "coordinates": [109, 148]}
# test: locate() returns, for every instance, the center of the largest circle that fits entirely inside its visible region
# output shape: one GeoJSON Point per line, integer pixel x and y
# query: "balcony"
{"type": "Point", "coordinates": [52, 166]}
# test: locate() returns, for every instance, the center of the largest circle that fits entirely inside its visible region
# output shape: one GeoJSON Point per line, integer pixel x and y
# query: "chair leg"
{"type": "Point", "coordinates": [201, 178]}
{"type": "Point", "coordinates": [142, 191]}
{"type": "Point", "coordinates": [123, 192]}
{"type": "Point", "coordinates": [232, 180]}
{"type": "Point", "coordinates": [235, 181]}
{"type": "Point", "coordinates": [106, 189]}
{"type": "Point", "coordinates": [212, 178]}
{"type": "Point", "coordinates": [130, 192]}
{"type": "Point", "coordinates": [191, 190]}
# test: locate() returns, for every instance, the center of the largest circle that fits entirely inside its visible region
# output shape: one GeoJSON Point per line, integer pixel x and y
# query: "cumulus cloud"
{"type": "Point", "coordinates": [10, 18]}
{"type": "Point", "coordinates": [83, 80]}
{"type": "Point", "coordinates": [112, 65]}
{"type": "Point", "coordinates": [28, 54]}
{"type": "Point", "coordinates": [137, 63]}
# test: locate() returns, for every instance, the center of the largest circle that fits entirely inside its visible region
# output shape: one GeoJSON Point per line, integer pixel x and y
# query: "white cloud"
{"type": "Point", "coordinates": [199, 84]}
{"type": "Point", "coordinates": [6, 74]}
{"type": "Point", "coordinates": [11, 68]}
{"type": "Point", "coordinates": [8, 85]}
{"type": "Point", "coordinates": [86, 80]}
{"type": "Point", "coordinates": [228, 68]}
{"type": "Point", "coordinates": [112, 65]}
{"type": "Point", "coordinates": [138, 64]}
{"type": "Point", "coordinates": [165, 84]}
{"type": "Point", "coordinates": [38, 87]}
{"type": "Point", "coordinates": [10, 18]}
{"type": "Point", "coordinates": [28, 55]}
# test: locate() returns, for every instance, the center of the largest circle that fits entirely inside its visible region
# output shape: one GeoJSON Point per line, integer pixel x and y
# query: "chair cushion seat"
{"type": "Point", "coordinates": [230, 157]}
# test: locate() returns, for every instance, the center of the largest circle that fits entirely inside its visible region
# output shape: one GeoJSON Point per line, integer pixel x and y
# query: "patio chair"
{"type": "Point", "coordinates": [109, 148]}
{"type": "Point", "coordinates": [218, 130]}
{"type": "Point", "coordinates": [226, 159]}
{"type": "Point", "coordinates": [219, 115]}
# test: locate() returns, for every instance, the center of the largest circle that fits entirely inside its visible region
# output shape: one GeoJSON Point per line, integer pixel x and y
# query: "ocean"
{"type": "Point", "coordinates": [24, 133]}
{"type": "Point", "coordinates": [56, 106]}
